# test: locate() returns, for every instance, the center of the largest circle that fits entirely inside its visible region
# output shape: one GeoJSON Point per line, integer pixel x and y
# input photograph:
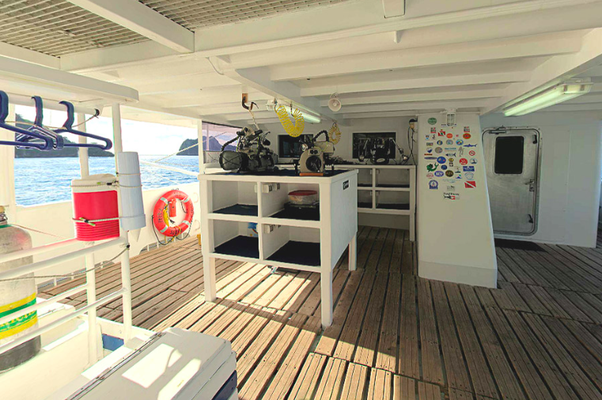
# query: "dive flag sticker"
{"type": "Point", "coordinates": [470, 184]}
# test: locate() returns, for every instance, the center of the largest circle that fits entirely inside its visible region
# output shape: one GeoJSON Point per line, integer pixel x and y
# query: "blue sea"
{"type": "Point", "coordinates": [48, 180]}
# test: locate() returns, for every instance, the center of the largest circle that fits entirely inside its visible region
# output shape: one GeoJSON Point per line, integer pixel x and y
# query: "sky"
{"type": "Point", "coordinates": [144, 137]}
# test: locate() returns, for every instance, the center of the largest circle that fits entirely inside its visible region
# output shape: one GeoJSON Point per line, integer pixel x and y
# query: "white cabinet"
{"type": "Point", "coordinates": [243, 218]}
{"type": "Point", "coordinates": [387, 190]}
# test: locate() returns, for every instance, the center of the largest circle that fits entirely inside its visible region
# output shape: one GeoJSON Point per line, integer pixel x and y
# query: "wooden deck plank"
{"type": "Point", "coordinates": [355, 382]}
{"type": "Point", "coordinates": [332, 380]}
{"type": "Point", "coordinates": [432, 363]}
{"type": "Point", "coordinates": [403, 388]}
{"type": "Point", "coordinates": [307, 382]}
{"type": "Point", "coordinates": [380, 385]}
{"type": "Point", "coordinates": [386, 357]}
{"type": "Point", "coordinates": [408, 347]}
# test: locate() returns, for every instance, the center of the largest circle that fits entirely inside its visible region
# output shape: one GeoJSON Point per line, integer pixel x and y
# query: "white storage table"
{"type": "Point", "coordinates": [243, 218]}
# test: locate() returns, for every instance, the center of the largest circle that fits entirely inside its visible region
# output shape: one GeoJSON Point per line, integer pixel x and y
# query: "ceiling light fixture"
{"type": "Point", "coordinates": [334, 103]}
{"type": "Point", "coordinates": [549, 97]}
{"type": "Point", "coordinates": [312, 119]}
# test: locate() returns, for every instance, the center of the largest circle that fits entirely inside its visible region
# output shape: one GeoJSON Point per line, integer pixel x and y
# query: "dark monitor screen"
{"type": "Point", "coordinates": [290, 147]}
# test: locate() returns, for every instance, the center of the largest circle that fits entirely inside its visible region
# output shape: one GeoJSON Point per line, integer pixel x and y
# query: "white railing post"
{"type": "Point", "coordinates": [84, 165]}
{"type": "Point", "coordinates": [91, 297]}
{"type": "Point", "coordinates": [199, 128]}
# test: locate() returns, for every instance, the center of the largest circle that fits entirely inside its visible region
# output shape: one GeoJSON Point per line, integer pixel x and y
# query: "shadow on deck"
{"type": "Point", "coordinates": [395, 336]}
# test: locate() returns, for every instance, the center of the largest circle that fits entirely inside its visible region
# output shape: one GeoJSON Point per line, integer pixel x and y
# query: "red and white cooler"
{"type": "Point", "coordinates": [96, 208]}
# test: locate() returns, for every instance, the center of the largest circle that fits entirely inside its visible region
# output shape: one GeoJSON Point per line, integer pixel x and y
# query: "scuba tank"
{"type": "Point", "coordinates": [16, 295]}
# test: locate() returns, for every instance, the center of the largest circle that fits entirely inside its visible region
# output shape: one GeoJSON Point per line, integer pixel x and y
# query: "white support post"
{"type": "Point", "coordinates": [200, 146]}
{"type": "Point", "coordinates": [125, 257]}
{"type": "Point", "coordinates": [84, 165]}
{"type": "Point", "coordinates": [353, 253]}
{"type": "Point", "coordinates": [7, 167]}
{"type": "Point", "coordinates": [326, 304]}
{"type": "Point", "coordinates": [91, 297]}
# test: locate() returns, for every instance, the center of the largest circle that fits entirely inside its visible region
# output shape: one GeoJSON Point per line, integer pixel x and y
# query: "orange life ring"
{"type": "Point", "coordinates": [160, 213]}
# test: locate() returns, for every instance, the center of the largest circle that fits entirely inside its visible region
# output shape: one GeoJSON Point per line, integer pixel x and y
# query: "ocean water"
{"type": "Point", "coordinates": [48, 180]}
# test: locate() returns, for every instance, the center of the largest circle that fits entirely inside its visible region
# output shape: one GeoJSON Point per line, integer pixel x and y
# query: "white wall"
{"type": "Point", "coordinates": [55, 218]}
{"type": "Point", "coordinates": [455, 237]}
{"type": "Point", "coordinates": [569, 187]}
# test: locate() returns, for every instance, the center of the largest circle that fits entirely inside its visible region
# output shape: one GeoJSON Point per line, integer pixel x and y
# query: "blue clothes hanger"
{"type": "Point", "coordinates": [46, 142]}
{"type": "Point", "coordinates": [68, 127]}
{"type": "Point", "coordinates": [37, 127]}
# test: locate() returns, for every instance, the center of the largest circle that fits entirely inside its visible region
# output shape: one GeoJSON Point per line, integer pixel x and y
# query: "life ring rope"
{"type": "Point", "coordinates": [161, 219]}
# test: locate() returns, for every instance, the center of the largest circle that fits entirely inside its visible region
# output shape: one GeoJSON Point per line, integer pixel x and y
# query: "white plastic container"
{"type": "Point", "coordinates": [130, 185]}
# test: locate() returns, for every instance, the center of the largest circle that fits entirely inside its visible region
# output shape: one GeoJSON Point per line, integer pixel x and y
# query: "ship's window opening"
{"type": "Point", "coordinates": [509, 155]}
{"type": "Point", "coordinates": [214, 137]}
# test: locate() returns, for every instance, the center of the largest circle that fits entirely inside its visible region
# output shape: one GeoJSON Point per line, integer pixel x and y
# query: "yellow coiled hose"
{"type": "Point", "coordinates": [296, 129]}
{"type": "Point", "coordinates": [334, 134]}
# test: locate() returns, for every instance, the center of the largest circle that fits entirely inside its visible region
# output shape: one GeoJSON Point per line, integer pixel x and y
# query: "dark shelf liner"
{"type": "Point", "coordinates": [364, 185]}
{"type": "Point", "coordinates": [307, 214]}
{"type": "Point", "coordinates": [392, 206]}
{"type": "Point", "coordinates": [239, 209]}
{"type": "Point", "coordinates": [364, 205]}
{"type": "Point", "coordinates": [303, 253]}
{"type": "Point", "coordinates": [392, 185]}
{"type": "Point", "coordinates": [242, 246]}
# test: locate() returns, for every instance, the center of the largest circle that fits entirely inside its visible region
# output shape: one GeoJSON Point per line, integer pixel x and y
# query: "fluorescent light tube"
{"type": "Point", "coordinates": [312, 119]}
{"type": "Point", "coordinates": [555, 95]}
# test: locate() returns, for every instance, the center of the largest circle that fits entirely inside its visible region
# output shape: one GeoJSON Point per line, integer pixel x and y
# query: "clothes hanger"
{"type": "Point", "coordinates": [38, 127]}
{"type": "Point", "coordinates": [68, 128]}
{"type": "Point", "coordinates": [46, 144]}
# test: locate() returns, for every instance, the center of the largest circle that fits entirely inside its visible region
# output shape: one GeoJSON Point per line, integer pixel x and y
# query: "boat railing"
{"type": "Point", "coordinates": [89, 287]}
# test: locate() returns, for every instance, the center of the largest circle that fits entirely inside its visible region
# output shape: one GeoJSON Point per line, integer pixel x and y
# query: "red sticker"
{"type": "Point", "coordinates": [472, 153]}
{"type": "Point", "coordinates": [467, 136]}
{"type": "Point", "coordinates": [463, 161]}
{"type": "Point", "coordinates": [450, 135]}
{"type": "Point", "coordinates": [470, 184]}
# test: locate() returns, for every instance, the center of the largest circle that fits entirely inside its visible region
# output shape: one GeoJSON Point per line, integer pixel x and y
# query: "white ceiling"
{"type": "Point", "coordinates": [469, 55]}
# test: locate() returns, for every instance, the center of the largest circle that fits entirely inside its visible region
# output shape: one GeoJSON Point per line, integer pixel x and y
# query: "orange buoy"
{"type": "Point", "coordinates": [161, 217]}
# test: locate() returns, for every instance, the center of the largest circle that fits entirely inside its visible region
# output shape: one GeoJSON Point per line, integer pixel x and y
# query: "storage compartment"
{"type": "Point", "coordinates": [391, 200]}
{"type": "Point", "coordinates": [236, 238]}
{"type": "Point", "coordinates": [292, 245]}
{"type": "Point", "coordinates": [274, 203]}
{"type": "Point", "coordinates": [236, 198]}
{"type": "Point", "coordinates": [364, 177]}
{"type": "Point", "coordinates": [364, 199]}
{"type": "Point", "coordinates": [392, 178]}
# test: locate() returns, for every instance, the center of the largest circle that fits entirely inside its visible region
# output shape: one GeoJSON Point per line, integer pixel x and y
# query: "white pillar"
{"type": "Point", "coordinates": [7, 165]}
{"type": "Point", "coordinates": [200, 146]}
{"type": "Point", "coordinates": [125, 257]}
{"type": "Point", "coordinates": [91, 297]}
{"type": "Point", "coordinates": [84, 166]}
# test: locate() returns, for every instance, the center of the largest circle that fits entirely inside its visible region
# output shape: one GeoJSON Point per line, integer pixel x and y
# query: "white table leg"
{"type": "Point", "coordinates": [353, 253]}
{"type": "Point", "coordinates": [209, 278]}
{"type": "Point", "coordinates": [327, 303]}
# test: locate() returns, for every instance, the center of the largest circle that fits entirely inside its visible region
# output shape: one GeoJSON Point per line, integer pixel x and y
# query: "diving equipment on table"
{"type": "Point", "coordinates": [251, 155]}
{"type": "Point", "coordinates": [303, 204]}
{"type": "Point", "coordinates": [316, 155]}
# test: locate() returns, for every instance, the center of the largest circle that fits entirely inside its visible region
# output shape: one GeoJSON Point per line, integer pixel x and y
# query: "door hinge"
{"type": "Point", "coordinates": [530, 218]}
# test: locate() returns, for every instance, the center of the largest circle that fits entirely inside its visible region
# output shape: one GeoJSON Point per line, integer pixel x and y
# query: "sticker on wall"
{"type": "Point", "coordinates": [428, 152]}
{"type": "Point", "coordinates": [444, 167]}
{"type": "Point", "coordinates": [430, 158]}
{"type": "Point", "coordinates": [451, 196]}
{"type": "Point", "coordinates": [429, 144]}
{"type": "Point", "coordinates": [463, 161]}
{"type": "Point", "coordinates": [438, 174]}
{"type": "Point", "coordinates": [467, 129]}
{"type": "Point", "coordinates": [429, 175]}
{"type": "Point", "coordinates": [470, 145]}
{"type": "Point", "coordinates": [433, 130]}
{"type": "Point", "coordinates": [467, 136]}
{"type": "Point", "coordinates": [441, 160]}
{"type": "Point", "coordinates": [433, 185]}
{"type": "Point", "coordinates": [450, 155]}
{"type": "Point", "coordinates": [438, 150]}
{"type": "Point", "coordinates": [459, 142]}
{"type": "Point", "coordinates": [468, 169]}
{"type": "Point", "coordinates": [451, 188]}
{"type": "Point", "coordinates": [432, 121]}
{"type": "Point", "coordinates": [439, 142]}
{"type": "Point", "coordinates": [449, 173]}
{"type": "Point", "coordinates": [441, 132]}
{"type": "Point", "coordinates": [461, 151]}
{"type": "Point", "coordinates": [473, 161]}
{"type": "Point", "coordinates": [449, 142]}
{"type": "Point", "coordinates": [468, 175]}
{"type": "Point", "coordinates": [472, 153]}
{"type": "Point", "coordinates": [432, 167]}
{"type": "Point", "coordinates": [450, 135]}
{"type": "Point", "coordinates": [470, 184]}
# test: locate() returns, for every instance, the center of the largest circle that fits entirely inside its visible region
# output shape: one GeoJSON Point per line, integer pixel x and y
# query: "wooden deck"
{"type": "Point", "coordinates": [395, 336]}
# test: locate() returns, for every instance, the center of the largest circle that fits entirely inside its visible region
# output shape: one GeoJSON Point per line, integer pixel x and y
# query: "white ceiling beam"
{"type": "Point", "coordinates": [555, 70]}
{"type": "Point", "coordinates": [143, 20]}
{"type": "Point", "coordinates": [186, 83]}
{"type": "Point", "coordinates": [437, 55]}
{"type": "Point", "coordinates": [23, 54]}
{"type": "Point", "coordinates": [439, 81]}
{"type": "Point", "coordinates": [385, 114]}
{"type": "Point", "coordinates": [259, 78]}
{"type": "Point", "coordinates": [402, 98]}
{"type": "Point", "coordinates": [394, 8]}
{"type": "Point", "coordinates": [229, 97]}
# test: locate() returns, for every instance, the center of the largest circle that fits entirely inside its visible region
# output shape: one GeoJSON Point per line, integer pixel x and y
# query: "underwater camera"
{"type": "Point", "coordinates": [251, 155]}
{"type": "Point", "coordinates": [315, 156]}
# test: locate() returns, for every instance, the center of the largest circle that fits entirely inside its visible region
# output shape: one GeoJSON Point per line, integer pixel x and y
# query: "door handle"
{"type": "Point", "coordinates": [531, 184]}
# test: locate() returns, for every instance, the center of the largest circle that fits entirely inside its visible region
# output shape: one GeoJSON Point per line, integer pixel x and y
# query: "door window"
{"type": "Point", "coordinates": [509, 155]}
